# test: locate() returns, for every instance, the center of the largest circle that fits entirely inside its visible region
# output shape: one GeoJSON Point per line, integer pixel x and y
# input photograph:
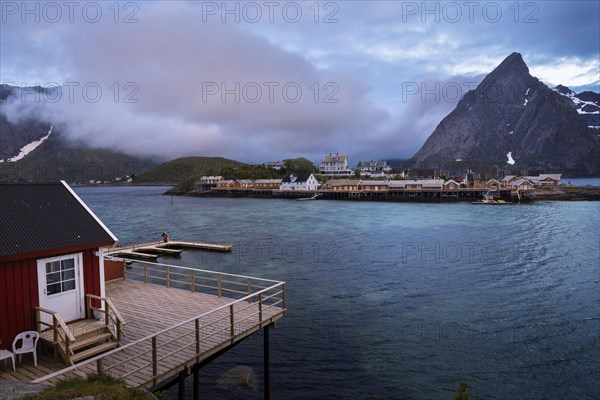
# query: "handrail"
{"type": "Point", "coordinates": [194, 279]}
{"type": "Point", "coordinates": [56, 317]}
{"type": "Point", "coordinates": [111, 305]}
{"type": "Point", "coordinates": [205, 270]}
{"type": "Point", "coordinates": [108, 315]}
{"type": "Point", "coordinates": [153, 337]}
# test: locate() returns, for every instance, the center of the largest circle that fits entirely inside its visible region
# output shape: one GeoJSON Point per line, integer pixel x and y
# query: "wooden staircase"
{"type": "Point", "coordinates": [86, 338]}
{"type": "Point", "coordinates": [92, 337]}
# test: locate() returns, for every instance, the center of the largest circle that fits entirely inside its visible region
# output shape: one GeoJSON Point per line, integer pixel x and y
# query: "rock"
{"type": "Point", "coordinates": [16, 390]}
{"type": "Point", "coordinates": [236, 378]}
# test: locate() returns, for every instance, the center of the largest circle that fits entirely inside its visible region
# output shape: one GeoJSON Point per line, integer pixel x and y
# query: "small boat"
{"type": "Point", "coordinates": [489, 199]}
{"type": "Point", "coordinates": [308, 198]}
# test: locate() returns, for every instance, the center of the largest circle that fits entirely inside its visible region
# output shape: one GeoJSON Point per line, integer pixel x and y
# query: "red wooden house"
{"type": "Point", "coordinates": [50, 255]}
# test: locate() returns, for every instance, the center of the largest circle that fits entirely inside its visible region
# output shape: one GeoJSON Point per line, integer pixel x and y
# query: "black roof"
{"type": "Point", "coordinates": [39, 217]}
{"type": "Point", "coordinates": [299, 177]}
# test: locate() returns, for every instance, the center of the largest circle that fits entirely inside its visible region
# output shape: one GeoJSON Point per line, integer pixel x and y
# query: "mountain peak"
{"type": "Point", "coordinates": [511, 69]}
{"type": "Point", "coordinates": [514, 61]}
{"type": "Point", "coordinates": [513, 118]}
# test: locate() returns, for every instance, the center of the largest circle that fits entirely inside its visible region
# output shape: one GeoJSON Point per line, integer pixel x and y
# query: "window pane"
{"type": "Point", "coordinates": [53, 266]}
{"type": "Point", "coordinates": [68, 285]}
{"type": "Point", "coordinates": [68, 274]}
{"type": "Point", "coordinates": [54, 288]}
{"type": "Point", "coordinates": [68, 264]}
{"type": "Point", "coordinates": [53, 277]}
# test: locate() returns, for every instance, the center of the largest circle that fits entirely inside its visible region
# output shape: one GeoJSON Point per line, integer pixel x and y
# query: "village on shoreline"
{"type": "Point", "coordinates": [375, 180]}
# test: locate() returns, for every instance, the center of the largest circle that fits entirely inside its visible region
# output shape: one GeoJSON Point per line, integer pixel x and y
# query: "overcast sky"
{"type": "Point", "coordinates": [263, 81]}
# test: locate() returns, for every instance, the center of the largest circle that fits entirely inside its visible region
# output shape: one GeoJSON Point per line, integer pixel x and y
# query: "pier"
{"type": "Point", "coordinates": [152, 250]}
{"type": "Point", "coordinates": [175, 319]}
{"type": "Point", "coordinates": [391, 194]}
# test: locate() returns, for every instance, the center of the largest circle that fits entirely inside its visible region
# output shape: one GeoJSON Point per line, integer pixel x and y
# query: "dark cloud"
{"type": "Point", "coordinates": [179, 82]}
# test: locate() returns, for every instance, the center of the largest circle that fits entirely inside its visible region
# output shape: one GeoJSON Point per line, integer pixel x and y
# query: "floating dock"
{"type": "Point", "coordinates": [151, 251]}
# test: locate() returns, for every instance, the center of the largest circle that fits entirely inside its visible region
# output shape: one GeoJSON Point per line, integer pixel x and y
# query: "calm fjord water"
{"type": "Point", "coordinates": [396, 300]}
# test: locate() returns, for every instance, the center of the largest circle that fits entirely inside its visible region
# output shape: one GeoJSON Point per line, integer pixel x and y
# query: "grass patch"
{"type": "Point", "coordinates": [101, 387]}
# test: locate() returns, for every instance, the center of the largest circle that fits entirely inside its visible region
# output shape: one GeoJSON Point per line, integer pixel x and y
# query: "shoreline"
{"type": "Point", "coordinates": [586, 193]}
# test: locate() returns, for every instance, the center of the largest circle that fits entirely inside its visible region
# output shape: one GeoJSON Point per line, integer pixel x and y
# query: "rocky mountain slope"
{"type": "Point", "coordinates": [35, 150]}
{"type": "Point", "coordinates": [515, 121]}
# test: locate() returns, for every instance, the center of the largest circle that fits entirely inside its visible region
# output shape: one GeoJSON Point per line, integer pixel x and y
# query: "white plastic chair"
{"type": "Point", "coordinates": [29, 341]}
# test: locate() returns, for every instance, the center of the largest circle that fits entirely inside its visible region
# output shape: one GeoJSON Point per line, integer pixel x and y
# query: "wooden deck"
{"type": "Point", "coordinates": [168, 330]}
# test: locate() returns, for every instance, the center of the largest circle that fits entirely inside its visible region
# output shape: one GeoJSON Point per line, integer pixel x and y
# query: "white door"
{"type": "Point", "coordinates": [60, 282]}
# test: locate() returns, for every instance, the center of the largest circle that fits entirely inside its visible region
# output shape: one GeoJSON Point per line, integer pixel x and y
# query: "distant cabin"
{"type": "Point", "coordinates": [267, 184]}
{"type": "Point", "coordinates": [342, 185]}
{"type": "Point", "coordinates": [451, 184]}
{"type": "Point", "coordinates": [374, 186]}
{"type": "Point", "coordinates": [243, 184]}
{"type": "Point", "coordinates": [549, 179]}
{"type": "Point", "coordinates": [50, 255]}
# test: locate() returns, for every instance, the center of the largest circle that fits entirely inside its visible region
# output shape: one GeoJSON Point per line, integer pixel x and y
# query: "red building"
{"type": "Point", "coordinates": [50, 255]}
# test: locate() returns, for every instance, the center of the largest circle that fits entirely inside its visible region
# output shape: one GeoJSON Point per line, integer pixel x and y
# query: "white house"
{"type": "Point", "coordinates": [305, 181]}
{"type": "Point", "coordinates": [276, 165]}
{"type": "Point", "coordinates": [335, 165]}
{"type": "Point", "coordinates": [374, 168]}
{"type": "Point", "coordinates": [210, 180]}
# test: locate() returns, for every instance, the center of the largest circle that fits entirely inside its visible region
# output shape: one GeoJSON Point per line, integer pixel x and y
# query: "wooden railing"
{"type": "Point", "coordinates": [60, 332]}
{"type": "Point", "coordinates": [220, 284]}
{"type": "Point", "coordinates": [147, 361]}
{"type": "Point", "coordinates": [112, 317]}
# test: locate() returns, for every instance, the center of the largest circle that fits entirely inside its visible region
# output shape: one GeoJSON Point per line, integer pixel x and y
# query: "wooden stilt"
{"type": "Point", "coordinates": [267, 367]}
{"type": "Point", "coordinates": [181, 395]}
{"type": "Point", "coordinates": [196, 384]}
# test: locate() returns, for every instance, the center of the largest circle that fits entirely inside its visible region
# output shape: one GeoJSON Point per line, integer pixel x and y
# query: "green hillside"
{"type": "Point", "coordinates": [57, 159]}
{"type": "Point", "coordinates": [192, 168]}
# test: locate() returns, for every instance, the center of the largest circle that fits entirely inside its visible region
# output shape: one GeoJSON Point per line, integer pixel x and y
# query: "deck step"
{"type": "Point", "coordinates": [80, 343]}
{"type": "Point", "coordinates": [92, 351]}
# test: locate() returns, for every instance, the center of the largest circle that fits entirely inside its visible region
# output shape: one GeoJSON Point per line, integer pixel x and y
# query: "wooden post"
{"type": "Point", "coordinates": [154, 362]}
{"type": "Point", "coordinates": [232, 328]}
{"type": "Point", "coordinates": [219, 285]}
{"type": "Point", "coordinates": [192, 282]}
{"type": "Point", "coordinates": [106, 313]}
{"type": "Point", "coordinates": [55, 332]}
{"type": "Point", "coordinates": [266, 365]}
{"type": "Point", "coordinates": [181, 394]}
{"type": "Point", "coordinates": [260, 308]}
{"type": "Point", "coordinates": [88, 305]}
{"type": "Point", "coordinates": [145, 274]}
{"type": "Point", "coordinates": [38, 320]}
{"type": "Point", "coordinates": [68, 348]}
{"type": "Point", "coordinates": [249, 290]}
{"type": "Point", "coordinates": [168, 277]}
{"type": "Point", "coordinates": [119, 331]}
{"type": "Point", "coordinates": [197, 322]}
{"type": "Point", "coordinates": [99, 366]}
{"type": "Point", "coordinates": [196, 384]}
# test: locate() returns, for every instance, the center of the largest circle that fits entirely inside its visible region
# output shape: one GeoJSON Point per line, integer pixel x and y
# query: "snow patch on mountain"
{"type": "Point", "coordinates": [510, 159]}
{"type": "Point", "coordinates": [582, 106]}
{"type": "Point", "coordinates": [28, 148]}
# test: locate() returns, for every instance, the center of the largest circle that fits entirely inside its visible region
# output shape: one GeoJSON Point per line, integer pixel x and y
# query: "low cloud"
{"type": "Point", "coordinates": [172, 86]}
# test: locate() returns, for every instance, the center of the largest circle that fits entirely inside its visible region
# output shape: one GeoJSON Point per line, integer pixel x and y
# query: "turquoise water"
{"type": "Point", "coordinates": [394, 300]}
{"type": "Point", "coordinates": [582, 181]}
